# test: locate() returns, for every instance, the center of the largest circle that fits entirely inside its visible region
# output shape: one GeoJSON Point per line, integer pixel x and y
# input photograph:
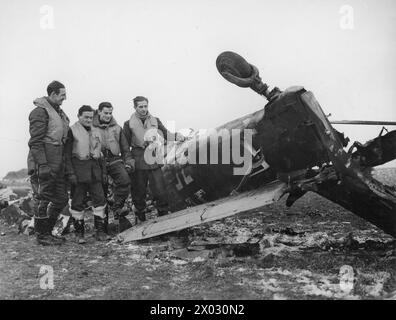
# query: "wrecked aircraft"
{"type": "Point", "coordinates": [293, 149]}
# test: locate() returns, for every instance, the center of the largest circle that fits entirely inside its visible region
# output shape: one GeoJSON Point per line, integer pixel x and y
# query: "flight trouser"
{"type": "Point", "coordinates": [95, 190]}
{"type": "Point", "coordinates": [116, 170]}
{"type": "Point", "coordinates": [34, 183]}
{"type": "Point", "coordinates": [157, 187]}
{"type": "Point", "coordinates": [52, 197]}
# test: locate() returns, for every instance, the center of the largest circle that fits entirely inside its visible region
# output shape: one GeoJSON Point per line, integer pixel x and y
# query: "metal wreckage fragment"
{"type": "Point", "coordinates": [294, 148]}
{"type": "Point", "coordinates": [296, 135]}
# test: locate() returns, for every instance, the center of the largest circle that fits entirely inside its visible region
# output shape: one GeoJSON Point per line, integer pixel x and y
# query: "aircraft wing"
{"type": "Point", "coordinates": [210, 211]}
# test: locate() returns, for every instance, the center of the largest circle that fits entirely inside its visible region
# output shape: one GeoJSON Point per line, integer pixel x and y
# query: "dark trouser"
{"type": "Point", "coordinates": [157, 187]}
{"type": "Point", "coordinates": [34, 183]}
{"type": "Point", "coordinates": [79, 193]}
{"type": "Point", "coordinates": [116, 170]}
{"type": "Point", "coordinates": [52, 197]}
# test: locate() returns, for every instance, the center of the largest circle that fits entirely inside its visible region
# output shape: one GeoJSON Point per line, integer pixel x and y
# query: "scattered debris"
{"type": "Point", "coordinates": [3, 204]}
{"type": "Point", "coordinates": [27, 205]}
{"type": "Point", "coordinates": [230, 249]}
{"type": "Point", "coordinates": [289, 231]}
{"type": "Point", "coordinates": [26, 226]}
{"type": "Point", "coordinates": [11, 214]}
{"type": "Point", "coordinates": [179, 262]}
{"type": "Point", "coordinates": [6, 193]}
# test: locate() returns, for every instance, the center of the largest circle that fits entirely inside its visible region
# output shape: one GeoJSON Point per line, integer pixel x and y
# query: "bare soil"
{"type": "Point", "coordinates": [272, 252]}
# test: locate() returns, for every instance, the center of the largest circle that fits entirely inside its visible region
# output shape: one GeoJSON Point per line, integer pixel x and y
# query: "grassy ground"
{"type": "Point", "coordinates": [304, 252]}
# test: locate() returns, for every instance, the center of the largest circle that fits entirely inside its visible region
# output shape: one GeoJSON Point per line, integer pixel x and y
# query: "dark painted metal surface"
{"type": "Point", "coordinates": [293, 141]}
{"type": "Point", "coordinates": [193, 184]}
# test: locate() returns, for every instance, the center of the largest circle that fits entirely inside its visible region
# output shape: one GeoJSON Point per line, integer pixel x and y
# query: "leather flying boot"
{"type": "Point", "coordinates": [54, 215]}
{"type": "Point", "coordinates": [43, 234]}
{"type": "Point", "coordinates": [140, 216]}
{"type": "Point", "coordinates": [79, 230]}
{"type": "Point", "coordinates": [106, 220]}
{"type": "Point", "coordinates": [52, 220]}
{"type": "Point", "coordinates": [100, 233]}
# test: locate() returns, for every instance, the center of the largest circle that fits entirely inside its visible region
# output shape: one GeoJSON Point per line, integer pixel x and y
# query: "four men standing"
{"type": "Point", "coordinates": [92, 148]}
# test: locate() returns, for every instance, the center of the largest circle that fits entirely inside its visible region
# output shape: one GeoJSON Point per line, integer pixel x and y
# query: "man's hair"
{"type": "Point", "coordinates": [138, 99]}
{"type": "Point", "coordinates": [104, 105]}
{"type": "Point", "coordinates": [54, 86]}
{"type": "Point", "coordinates": [85, 108]}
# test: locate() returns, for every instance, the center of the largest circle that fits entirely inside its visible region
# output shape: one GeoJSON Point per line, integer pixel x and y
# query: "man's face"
{"type": "Point", "coordinates": [58, 98]}
{"type": "Point", "coordinates": [106, 114]}
{"type": "Point", "coordinates": [142, 107]}
{"type": "Point", "coordinates": [86, 118]}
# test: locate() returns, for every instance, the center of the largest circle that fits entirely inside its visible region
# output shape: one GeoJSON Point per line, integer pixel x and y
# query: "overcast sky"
{"type": "Point", "coordinates": [166, 50]}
